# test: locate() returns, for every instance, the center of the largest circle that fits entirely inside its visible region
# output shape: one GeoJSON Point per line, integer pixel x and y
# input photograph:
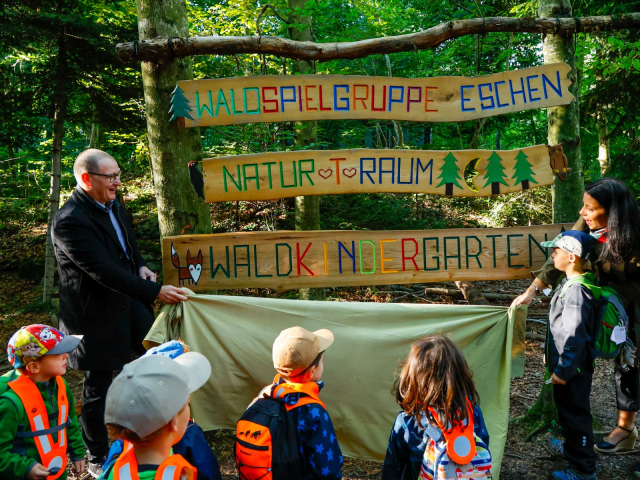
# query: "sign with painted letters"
{"type": "Point", "coordinates": [289, 260]}
{"type": "Point", "coordinates": [268, 176]}
{"type": "Point", "coordinates": [254, 99]}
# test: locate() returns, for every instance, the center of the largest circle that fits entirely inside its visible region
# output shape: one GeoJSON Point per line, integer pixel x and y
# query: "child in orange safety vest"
{"type": "Point", "coordinates": [148, 407]}
{"type": "Point", "coordinates": [38, 422]}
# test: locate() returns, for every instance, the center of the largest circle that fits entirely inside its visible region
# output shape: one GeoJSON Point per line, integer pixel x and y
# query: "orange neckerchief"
{"type": "Point", "coordinates": [311, 391]}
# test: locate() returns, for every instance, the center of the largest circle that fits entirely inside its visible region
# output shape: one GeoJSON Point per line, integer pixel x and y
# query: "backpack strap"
{"type": "Point", "coordinates": [582, 280]}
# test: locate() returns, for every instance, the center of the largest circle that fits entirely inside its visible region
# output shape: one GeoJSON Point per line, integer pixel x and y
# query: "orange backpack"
{"type": "Point", "coordinates": [267, 443]}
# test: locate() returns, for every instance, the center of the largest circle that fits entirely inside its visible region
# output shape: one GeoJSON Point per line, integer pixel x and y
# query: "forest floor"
{"type": "Point", "coordinates": [19, 300]}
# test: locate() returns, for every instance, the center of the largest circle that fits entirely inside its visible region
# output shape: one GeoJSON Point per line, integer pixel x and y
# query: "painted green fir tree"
{"type": "Point", "coordinates": [179, 105]}
{"type": "Point", "coordinates": [495, 174]}
{"type": "Point", "coordinates": [449, 174]}
{"type": "Point", "coordinates": [523, 171]}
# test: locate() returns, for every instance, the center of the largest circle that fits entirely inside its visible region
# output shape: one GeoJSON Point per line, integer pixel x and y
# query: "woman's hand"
{"type": "Point", "coordinates": [526, 298]}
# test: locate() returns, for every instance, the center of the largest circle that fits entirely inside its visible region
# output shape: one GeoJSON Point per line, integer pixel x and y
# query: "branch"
{"type": "Point", "coordinates": [158, 49]}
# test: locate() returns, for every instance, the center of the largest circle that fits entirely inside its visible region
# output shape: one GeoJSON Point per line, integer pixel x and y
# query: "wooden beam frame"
{"type": "Point", "coordinates": [162, 48]}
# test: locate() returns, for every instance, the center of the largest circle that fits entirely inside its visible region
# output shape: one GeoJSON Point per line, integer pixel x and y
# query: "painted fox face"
{"type": "Point", "coordinates": [194, 264]}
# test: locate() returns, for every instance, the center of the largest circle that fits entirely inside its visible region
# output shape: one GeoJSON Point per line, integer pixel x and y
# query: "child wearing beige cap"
{"type": "Point", "coordinates": [298, 359]}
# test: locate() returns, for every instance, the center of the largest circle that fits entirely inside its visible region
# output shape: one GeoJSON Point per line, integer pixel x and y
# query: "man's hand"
{"type": "Point", "coordinates": [38, 472]}
{"type": "Point", "coordinates": [171, 294]}
{"type": "Point", "coordinates": [78, 467]}
{"type": "Point", "coordinates": [556, 380]}
{"type": "Point", "coordinates": [147, 274]}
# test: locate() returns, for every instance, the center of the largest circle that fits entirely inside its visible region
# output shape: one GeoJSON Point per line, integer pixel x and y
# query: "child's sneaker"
{"type": "Point", "coordinates": [555, 447]}
{"type": "Point", "coordinates": [571, 474]}
{"type": "Point", "coordinates": [94, 469]}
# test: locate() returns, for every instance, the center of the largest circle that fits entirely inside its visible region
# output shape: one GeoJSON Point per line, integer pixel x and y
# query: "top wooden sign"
{"type": "Point", "coordinates": [229, 101]}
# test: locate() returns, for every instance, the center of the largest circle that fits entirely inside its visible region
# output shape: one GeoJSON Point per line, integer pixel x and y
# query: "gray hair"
{"type": "Point", "coordinates": [88, 161]}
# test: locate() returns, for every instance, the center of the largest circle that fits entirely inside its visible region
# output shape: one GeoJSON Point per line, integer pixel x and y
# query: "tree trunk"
{"type": "Point", "coordinates": [307, 208]}
{"type": "Point", "coordinates": [60, 112]}
{"type": "Point", "coordinates": [171, 148]}
{"type": "Point", "coordinates": [564, 121]}
{"type": "Point", "coordinates": [472, 293]}
{"type": "Point", "coordinates": [604, 155]}
{"type": "Point", "coordinates": [95, 140]}
{"type": "Point", "coordinates": [399, 141]}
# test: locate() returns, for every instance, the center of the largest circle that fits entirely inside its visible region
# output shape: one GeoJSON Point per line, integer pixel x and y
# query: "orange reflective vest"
{"type": "Point", "coordinates": [53, 455]}
{"type": "Point", "coordinates": [173, 468]}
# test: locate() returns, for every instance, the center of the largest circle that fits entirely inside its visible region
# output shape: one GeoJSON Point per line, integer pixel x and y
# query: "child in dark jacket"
{"type": "Point", "coordinates": [35, 399]}
{"type": "Point", "coordinates": [571, 332]}
{"type": "Point", "coordinates": [434, 375]}
{"type": "Point", "coordinates": [298, 359]}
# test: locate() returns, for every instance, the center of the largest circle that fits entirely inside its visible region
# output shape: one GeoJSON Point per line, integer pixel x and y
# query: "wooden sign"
{"type": "Point", "coordinates": [286, 98]}
{"type": "Point", "coordinates": [319, 172]}
{"type": "Point", "coordinates": [288, 260]}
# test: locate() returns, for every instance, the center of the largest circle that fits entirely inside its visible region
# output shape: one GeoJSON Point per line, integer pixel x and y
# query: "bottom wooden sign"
{"type": "Point", "coordinates": [323, 258]}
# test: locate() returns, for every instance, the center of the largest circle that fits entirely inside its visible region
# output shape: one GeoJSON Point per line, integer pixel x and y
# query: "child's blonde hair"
{"type": "Point", "coordinates": [436, 374]}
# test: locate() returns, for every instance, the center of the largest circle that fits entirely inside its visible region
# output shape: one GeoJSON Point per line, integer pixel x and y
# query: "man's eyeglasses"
{"type": "Point", "coordinates": [112, 176]}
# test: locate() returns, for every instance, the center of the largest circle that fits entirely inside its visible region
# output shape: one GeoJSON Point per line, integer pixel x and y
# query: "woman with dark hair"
{"type": "Point", "coordinates": [610, 214]}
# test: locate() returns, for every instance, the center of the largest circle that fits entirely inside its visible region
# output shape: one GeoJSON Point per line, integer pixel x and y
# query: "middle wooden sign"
{"type": "Point", "coordinates": [268, 176]}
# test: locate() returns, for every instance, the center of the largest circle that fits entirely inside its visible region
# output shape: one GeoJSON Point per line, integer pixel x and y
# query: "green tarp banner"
{"type": "Point", "coordinates": [236, 335]}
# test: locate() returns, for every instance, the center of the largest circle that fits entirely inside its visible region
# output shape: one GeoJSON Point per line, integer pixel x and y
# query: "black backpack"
{"type": "Point", "coordinates": [267, 443]}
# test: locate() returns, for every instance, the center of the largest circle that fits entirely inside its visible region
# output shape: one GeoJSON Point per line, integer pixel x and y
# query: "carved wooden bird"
{"type": "Point", "coordinates": [558, 161]}
{"type": "Point", "coordinates": [196, 179]}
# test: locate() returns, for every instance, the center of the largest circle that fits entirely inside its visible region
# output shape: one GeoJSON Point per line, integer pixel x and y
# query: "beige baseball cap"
{"type": "Point", "coordinates": [296, 348]}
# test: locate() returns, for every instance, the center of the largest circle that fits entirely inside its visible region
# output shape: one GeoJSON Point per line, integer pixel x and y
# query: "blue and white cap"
{"type": "Point", "coordinates": [572, 241]}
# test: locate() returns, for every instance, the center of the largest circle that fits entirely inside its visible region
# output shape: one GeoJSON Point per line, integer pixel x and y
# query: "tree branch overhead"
{"type": "Point", "coordinates": [162, 48]}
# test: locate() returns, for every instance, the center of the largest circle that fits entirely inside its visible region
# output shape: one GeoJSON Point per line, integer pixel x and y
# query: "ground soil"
{"type": "Point", "coordinates": [522, 459]}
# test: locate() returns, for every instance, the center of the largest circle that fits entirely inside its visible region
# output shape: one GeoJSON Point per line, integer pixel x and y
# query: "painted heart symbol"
{"type": "Point", "coordinates": [349, 172]}
{"type": "Point", "coordinates": [325, 173]}
{"type": "Point", "coordinates": [195, 271]}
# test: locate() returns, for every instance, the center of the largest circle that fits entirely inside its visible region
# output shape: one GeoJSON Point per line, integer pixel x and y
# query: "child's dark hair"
{"type": "Point", "coordinates": [435, 374]}
{"type": "Point", "coordinates": [623, 223]}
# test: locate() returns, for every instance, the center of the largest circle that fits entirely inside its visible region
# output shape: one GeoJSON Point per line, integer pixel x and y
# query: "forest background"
{"type": "Point", "coordinates": [62, 53]}
{"type": "Point", "coordinates": [105, 108]}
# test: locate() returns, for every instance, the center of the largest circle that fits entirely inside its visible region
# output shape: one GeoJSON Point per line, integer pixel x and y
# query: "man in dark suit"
{"type": "Point", "coordinates": [106, 289]}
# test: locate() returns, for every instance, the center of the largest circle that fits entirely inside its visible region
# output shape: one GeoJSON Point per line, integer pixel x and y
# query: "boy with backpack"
{"type": "Point", "coordinates": [570, 352]}
{"type": "Point", "coordinates": [148, 407]}
{"type": "Point", "coordinates": [286, 432]}
{"type": "Point", "coordinates": [38, 422]}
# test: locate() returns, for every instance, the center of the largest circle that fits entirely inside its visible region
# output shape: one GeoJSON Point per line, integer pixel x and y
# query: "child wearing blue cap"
{"type": "Point", "coordinates": [570, 355]}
